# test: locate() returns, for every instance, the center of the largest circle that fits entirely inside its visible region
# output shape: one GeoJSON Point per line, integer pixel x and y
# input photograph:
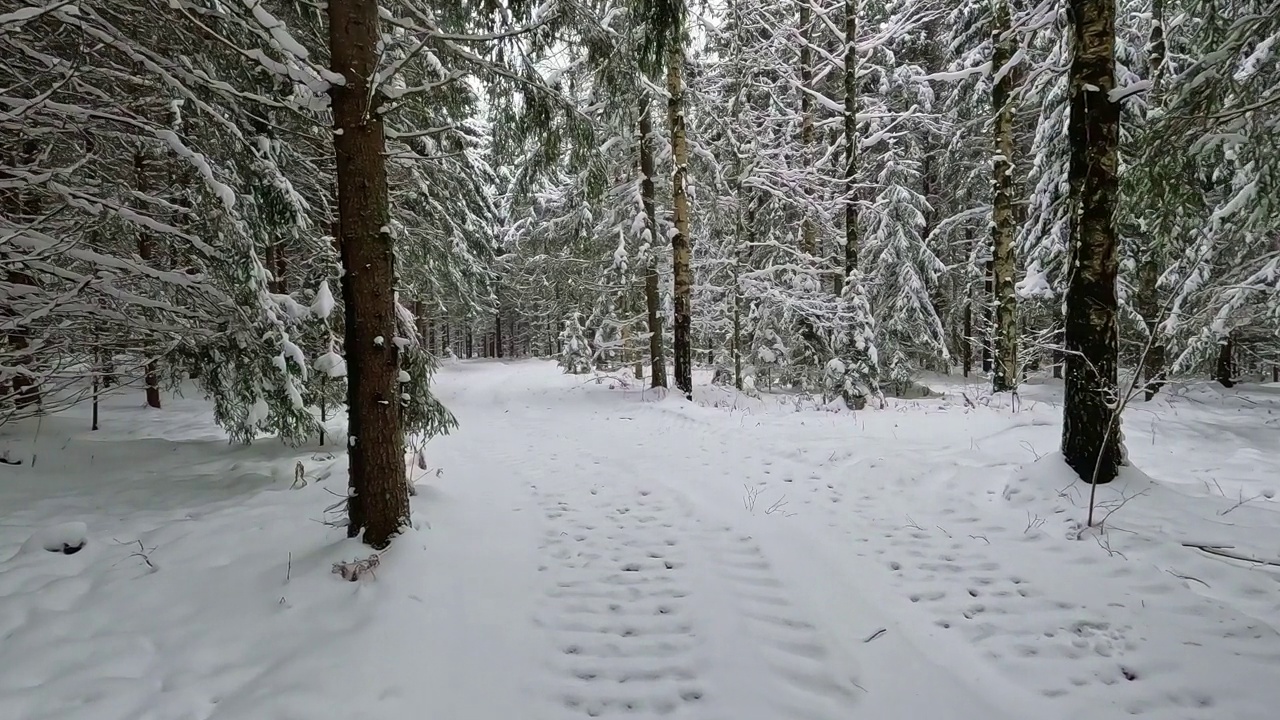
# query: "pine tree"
{"type": "Point", "coordinates": [378, 504]}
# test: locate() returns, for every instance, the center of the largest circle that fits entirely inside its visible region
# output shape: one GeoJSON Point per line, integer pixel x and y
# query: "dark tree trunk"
{"type": "Point", "coordinates": [1149, 305]}
{"type": "Point", "coordinates": [97, 385]}
{"type": "Point", "coordinates": [470, 343]}
{"type": "Point", "coordinates": [17, 203]}
{"type": "Point", "coordinates": [1153, 361]}
{"type": "Point", "coordinates": [368, 258]}
{"type": "Point", "coordinates": [988, 287]}
{"type": "Point", "coordinates": [421, 323]}
{"type": "Point", "coordinates": [146, 252]}
{"type": "Point", "coordinates": [652, 300]}
{"type": "Point", "coordinates": [355, 450]}
{"type": "Point", "coordinates": [497, 334]}
{"type": "Point", "coordinates": [808, 134]}
{"type": "Point", "coordinates": [280, 269]}
{"type": "Point", "coordinates": [851, 139]}
{"type": "Point", "coordinates": [1225, 369]}
{"type": "Point", "coordinates": [1091, 442]}
{"type": "Point", "coordinates": [681, 250]}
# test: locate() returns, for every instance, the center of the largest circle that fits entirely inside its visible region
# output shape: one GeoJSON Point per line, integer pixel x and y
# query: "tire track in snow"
{"type": "Point", "coordinates": [792, 665]}
{"type": "Point", "coordinates": [617, 607]}
{"type": "Point", "coordinates": [789, 644]}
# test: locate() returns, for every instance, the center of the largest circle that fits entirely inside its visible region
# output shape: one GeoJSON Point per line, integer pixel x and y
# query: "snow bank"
{"type": "Point", "coordinates": [66, 538]}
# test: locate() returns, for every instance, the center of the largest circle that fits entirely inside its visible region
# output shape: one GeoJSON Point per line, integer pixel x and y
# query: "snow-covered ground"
{"type": "Point", "coordinates": [588, 550]}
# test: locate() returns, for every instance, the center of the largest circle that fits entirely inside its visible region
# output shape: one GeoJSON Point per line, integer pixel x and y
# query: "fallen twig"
{"type": "Point", "coordinates": [1219, 550]}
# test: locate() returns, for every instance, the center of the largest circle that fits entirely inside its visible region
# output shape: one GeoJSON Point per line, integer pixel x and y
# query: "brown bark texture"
{"type": "Point", "coordinates": [380, 498]}
{"type": "Point", "coordinates": [850, 138]}
{"type": "Point", "coordinates": [146, 252]}
{"type": "Point", "coordinates": [652, 300]}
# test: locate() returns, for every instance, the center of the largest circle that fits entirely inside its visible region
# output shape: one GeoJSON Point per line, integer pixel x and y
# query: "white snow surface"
{"type": "Point", "coordinates": [595, 550]}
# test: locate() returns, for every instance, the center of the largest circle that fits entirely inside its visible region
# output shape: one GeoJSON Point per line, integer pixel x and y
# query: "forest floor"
{"type": "Point", "coordinates": [589, 550]}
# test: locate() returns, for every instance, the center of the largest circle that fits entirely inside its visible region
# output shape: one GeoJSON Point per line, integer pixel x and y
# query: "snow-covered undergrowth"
{"type": "Point", "coordinates": [590, 550]}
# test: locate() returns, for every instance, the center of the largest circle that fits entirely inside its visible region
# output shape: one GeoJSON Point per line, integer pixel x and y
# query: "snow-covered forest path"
{"type": "Point", "coordinates": [722, 563]}
{"type": "Point", "coordinates": [588, 550]}
{"type": "Point", "coordinates": [659, 590]}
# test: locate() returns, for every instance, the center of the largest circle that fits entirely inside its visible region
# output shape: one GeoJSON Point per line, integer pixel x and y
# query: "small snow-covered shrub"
{"type": "Point", "coordinates": [839, 381]}
{"type": "Point", "coordinates": [575, 353]}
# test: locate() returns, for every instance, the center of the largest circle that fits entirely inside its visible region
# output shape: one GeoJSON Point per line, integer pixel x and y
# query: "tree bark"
{"type": "Point", "coordinates": [368, 257]}
{"type": "Point", "coordinates": [1005, 377]}
{"type": "Point", "coordinates": [1225, 369]}
{"type": "Point", "coordinates": [850, 138]}
{"type": "Point", "coordinates": [1149, 306]}
{"type": "Point", "coordinates": [421, 323]}
{"type": "Point", "coordinates": [681, 250]}
{"type": "Point", "coordinates": [652, 300]}
{"type": "Point", "coordinates": [497, 333]}
{"type": "Point", "coordinates": [988, 324]}
{"type": "Point", "coordinates": [1091, 441]}
{"type": "Point", "coordinates": [146, 252]}
{"type": "Point", "coordinates": [1153, 361]}
{"type": "Point", "coordinates": [809, 232]}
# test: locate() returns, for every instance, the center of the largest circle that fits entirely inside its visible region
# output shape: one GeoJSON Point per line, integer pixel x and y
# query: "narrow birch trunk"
{"type": "Point", "coordinates": [681, 250]}
{"type": "Point", "coordinates": [1005, 375]}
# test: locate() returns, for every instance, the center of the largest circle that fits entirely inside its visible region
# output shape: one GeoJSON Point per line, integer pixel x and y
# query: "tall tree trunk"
{"type": "Point", "coordinates": [497, 333]}
{"type": "Point", "coordinates": [966, 342]}
{"type": "Point", "coordinates": [988, 310]}
{"type": "Point", "coordinates": [1153, 360]}
{"type": "Point", "coordinates": [739, 233]}
{"type": "Point", "coordinates": [652, 300]}
{"type": "Point", "coordinates": [422, 324]}
{"type": "Point", "coordinates": [1149, 306]}
{"type": "Point", "coordinates": [1005, 377]}
{"type": "Point", "coordinates": [146, 252]}
{"type": "Point", "coordinates": [17, 204]}
{"type": "Point", "coordinates": [681, 250]}
{"type": "Point", "coordinates": [850, 138]}
{"type": "Point", "coordinates": [355, 452]}
{"type": "Point", "coordinates": [378, 488]}
{"type": "Point", "coordinates": [1091, 442]}
{"type": "Point", "coordinates": [809, 232]}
